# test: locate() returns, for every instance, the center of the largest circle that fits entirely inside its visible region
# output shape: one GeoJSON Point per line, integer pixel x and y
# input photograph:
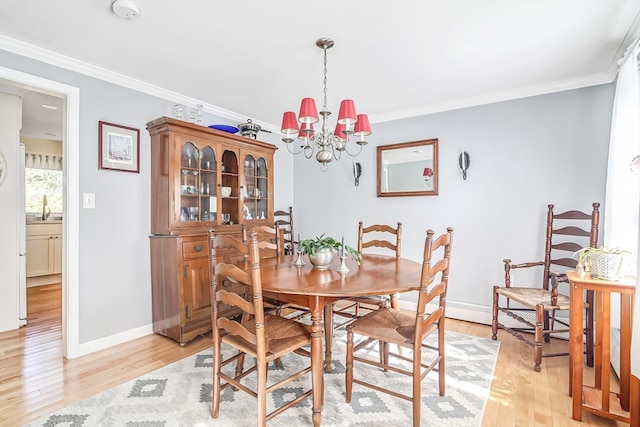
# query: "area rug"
{"type": "Point", "coordinates": [179, 394]}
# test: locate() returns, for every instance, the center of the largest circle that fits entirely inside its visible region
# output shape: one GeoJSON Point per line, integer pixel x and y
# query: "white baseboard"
{"type": "Point", "coordinates": [110, 341]}
{"type": "Point", "coordinates": [43, 280]}
{"type": "Point", "coordinates": [455, 310]}
{"type": "Point", "coordinates": [458, 310]}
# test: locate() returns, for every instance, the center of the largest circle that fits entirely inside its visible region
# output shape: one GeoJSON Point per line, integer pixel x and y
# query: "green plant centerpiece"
{"type": "Point", "coordinates": [602, 263]}
{"type": "Point", "coordinates": [322, 249]}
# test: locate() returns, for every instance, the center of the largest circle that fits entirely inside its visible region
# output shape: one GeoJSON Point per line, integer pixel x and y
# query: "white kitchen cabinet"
{"type": "Point", "coordinates": [44, 249]}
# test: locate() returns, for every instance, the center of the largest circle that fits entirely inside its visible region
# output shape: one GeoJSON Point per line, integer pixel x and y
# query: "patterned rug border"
{"type": "Point", "coordinates": [179, 394]}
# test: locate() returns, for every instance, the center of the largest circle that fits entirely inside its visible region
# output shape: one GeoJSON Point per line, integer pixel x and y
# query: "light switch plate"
{"type": "Point", "coordinates": [88, 200]}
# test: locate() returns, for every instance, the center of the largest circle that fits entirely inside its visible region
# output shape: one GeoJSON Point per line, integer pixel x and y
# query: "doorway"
{"type": "Point", "coordinates": [12, 80]}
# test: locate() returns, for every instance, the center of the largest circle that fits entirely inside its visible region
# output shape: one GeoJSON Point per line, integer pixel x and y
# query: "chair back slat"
{"type": "Point", "coordinates": [572, 215]}
{"type": "Point", "coordinates": [565, 262]}
{"type": "Point", "coordinates": [572, 231]}
{"type": "Point", "coordinates": [392, 242]}
{"type": "Point", "coordinates": [232, 298]}
{"type": "Point", "coordinates": [572, 247]}
{"type": "Point", "coordinates": [379, 244]}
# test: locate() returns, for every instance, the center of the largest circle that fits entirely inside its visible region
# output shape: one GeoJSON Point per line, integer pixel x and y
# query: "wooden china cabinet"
{"type": "Point", "coordinates": [190, 167]}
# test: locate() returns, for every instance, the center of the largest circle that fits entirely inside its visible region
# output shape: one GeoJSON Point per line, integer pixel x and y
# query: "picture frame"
{"type": "Point", "coordinates": [118, 147]}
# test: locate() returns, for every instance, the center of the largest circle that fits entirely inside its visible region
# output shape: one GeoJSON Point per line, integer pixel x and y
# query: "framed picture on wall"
{"type": "Point", "coordinates": [119, 147]}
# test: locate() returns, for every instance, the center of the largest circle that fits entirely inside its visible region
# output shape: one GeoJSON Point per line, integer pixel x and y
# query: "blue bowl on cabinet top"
{"type": "Point", "coordinates": [225, 128]}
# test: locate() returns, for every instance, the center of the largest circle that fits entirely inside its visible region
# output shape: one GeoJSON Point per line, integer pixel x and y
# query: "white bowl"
{"type": "Point", "coordinates": [226, 191]}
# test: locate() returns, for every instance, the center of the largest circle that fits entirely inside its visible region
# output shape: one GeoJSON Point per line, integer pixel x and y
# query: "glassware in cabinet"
{"type": "Point", "coordinates": [256, 192]}
{"type": "Point", "coordinates": [249, 188]}
{"type": "Point", "coordinates": [189, 183]}
{"type": "Point", "coordinates": [229, 188]}
{"type": "Point", "coordinates": [262, 185]}
{"type": "Point", "coordinates": [208, 185]}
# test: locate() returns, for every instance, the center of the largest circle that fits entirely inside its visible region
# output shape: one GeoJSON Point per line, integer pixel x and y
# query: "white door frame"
{"type": "Point", "coordinates": [71, 218]}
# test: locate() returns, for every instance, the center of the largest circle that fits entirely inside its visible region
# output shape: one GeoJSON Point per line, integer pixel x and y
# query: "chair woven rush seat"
{"type": "Point", "coordinates": [398, 327]}
{"type": "Point", "coordinates": [532, 296]}
{"type": "Point", "coordinates": [281, 337]}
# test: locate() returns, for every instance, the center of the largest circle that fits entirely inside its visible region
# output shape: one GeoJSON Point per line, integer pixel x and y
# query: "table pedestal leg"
{"type": "Point", "coordinates": [317, 379]}
{"type": "Point", "coordinates": [328, 335]}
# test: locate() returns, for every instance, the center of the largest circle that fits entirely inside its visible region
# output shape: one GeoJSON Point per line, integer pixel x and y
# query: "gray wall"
{"type": "Point", "coordinates": [524, 154]}
{"type": "Point", "coordinates": [115, 278]}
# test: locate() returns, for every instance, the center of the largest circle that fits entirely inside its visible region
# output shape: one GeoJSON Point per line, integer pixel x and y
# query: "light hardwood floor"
{"type": "Point", "coordinates": [35, 379]}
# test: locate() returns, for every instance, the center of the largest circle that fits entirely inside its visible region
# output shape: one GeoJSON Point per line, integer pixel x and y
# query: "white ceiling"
{"type": "Point", "coordinates": [396, 58]}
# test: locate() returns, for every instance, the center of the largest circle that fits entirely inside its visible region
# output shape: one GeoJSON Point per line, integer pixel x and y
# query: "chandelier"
{"type": "Point", "coordinates": [326, 145]}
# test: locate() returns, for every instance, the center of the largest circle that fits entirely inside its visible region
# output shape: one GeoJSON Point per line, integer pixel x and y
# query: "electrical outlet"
{"type": "Point", "coordinates": [88, 200]}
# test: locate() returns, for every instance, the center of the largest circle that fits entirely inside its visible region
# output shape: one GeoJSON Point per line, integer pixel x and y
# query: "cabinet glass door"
{"type": "Point", "coordinates": [208, 185]}
{"type": "Point", "coordinates": [189, 185]}
{"type": "Point", "coordinates": [256, 188]}
{"type": "Point", "coordinates": [199, 180]}
{"type": "Point", "coordinates": [229, 188]}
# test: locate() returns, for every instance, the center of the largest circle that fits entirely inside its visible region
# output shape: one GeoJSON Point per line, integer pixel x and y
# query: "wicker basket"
{"type": "Point", "coordinates": [606, 266]}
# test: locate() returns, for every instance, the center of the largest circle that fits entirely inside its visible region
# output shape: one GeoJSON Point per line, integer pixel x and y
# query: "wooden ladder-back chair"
{"type": "Point", "coordinates": [566, 233]}
{"type": "Point", "coordinates": [380, 236]}
{"type": "Point", "coordinates": [262, 336]}
{"type": "Point", "coordinates": [284, 220]}
{"type": "Point", "coordinates": [271, 236]}
{"type": "Point", "coordinates": [392, 326]}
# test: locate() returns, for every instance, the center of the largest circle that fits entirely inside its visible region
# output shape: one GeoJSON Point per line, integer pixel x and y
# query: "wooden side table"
{"type": "Point", "coordinates": [598, 399]}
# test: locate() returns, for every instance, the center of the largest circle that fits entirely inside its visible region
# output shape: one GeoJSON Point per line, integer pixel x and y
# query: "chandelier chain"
{"type": "Point", "coordinates": [324, 81]}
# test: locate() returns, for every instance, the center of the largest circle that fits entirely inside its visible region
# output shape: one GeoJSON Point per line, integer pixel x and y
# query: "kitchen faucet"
{"type": "Point", "coordinates": [46, 210]}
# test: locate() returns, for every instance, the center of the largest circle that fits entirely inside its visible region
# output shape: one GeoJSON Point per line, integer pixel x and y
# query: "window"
{"type": "Point", "coordinates": [39, 183]}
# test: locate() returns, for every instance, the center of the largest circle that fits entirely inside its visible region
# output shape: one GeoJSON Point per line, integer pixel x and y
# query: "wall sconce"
{"type": "Point", "coordinates": [464, 160]}
{"type": "Point", "coordinates": [635, 165]}
{"type": "Point", "coordinates": [428, 176]}
{"type": "Point", "coordinates": [357, 171]}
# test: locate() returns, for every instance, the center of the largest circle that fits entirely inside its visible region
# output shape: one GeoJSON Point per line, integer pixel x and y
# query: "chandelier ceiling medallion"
{"type": "Point", "coordinates": [326, 145]}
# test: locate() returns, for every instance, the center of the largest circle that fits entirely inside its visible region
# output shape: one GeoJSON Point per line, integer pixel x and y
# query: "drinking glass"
{"type": "Point", "coordinates": [199, 114]}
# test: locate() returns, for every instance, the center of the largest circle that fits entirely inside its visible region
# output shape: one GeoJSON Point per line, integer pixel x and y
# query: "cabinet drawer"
{"type": "Point", "coordinates": [194, 249]}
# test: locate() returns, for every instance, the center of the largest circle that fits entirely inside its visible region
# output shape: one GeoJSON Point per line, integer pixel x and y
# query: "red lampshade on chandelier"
{"type": "Point", "coordinates": [325, 144]}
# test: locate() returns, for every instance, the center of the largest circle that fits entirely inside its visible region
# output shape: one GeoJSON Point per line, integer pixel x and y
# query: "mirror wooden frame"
{"type": "Point", "coordinates": [415, 157]}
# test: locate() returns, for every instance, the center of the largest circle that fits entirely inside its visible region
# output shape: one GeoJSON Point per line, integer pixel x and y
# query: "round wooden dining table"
{"type": "Point", "coordinates": [318, 289]}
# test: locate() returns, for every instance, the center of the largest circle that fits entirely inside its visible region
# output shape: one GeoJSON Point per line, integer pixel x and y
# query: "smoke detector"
{"type": "Point", "coordinates": [125, 9]}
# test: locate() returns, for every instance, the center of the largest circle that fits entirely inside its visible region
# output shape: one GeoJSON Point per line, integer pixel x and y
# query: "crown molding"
{"type": "Point", "coordinates": [72, 64]}
{"type": "Point", "coordinates": [47, 56]}
{"type": "Point", "coordinates": [491, 98]}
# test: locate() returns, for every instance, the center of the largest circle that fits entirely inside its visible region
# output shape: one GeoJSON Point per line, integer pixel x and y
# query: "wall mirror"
{"type": "Point", "coordinates": [408, 169]}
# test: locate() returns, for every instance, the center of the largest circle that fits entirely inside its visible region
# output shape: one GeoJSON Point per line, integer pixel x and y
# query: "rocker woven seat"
{"type": "Point", "coordinates": [533, 297]}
